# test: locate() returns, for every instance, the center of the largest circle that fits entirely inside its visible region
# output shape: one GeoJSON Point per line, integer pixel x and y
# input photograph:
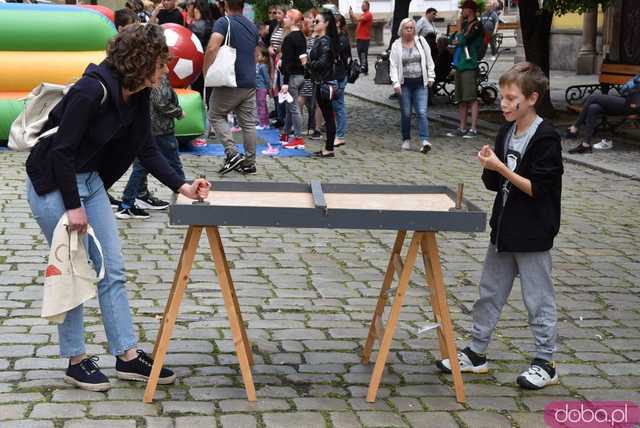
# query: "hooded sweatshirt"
{"type": "Point", "coordinates": [96, 137]}
{"type": "Point", "coordinates": [526, 223]}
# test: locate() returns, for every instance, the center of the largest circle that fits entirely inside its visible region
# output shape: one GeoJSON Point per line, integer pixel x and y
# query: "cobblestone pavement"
{"type": "Point", "coordinates": [307, 296]}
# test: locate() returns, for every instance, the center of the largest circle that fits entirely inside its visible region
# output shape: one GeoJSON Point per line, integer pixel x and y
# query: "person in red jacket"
{"type": "Point", "coordinates": [363, 34]}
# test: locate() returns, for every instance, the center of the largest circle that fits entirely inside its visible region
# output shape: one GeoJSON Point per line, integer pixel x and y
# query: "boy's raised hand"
{"type": "Point", "coordinates": [488, 158]}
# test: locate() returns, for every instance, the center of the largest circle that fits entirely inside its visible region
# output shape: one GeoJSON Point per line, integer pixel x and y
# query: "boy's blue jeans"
{"type": "Point", "coordinates": [168, 145]}
{"type": "Point", "coordinates": [415, 97]}
{"type": "Point", "coordinates": [112, 293]}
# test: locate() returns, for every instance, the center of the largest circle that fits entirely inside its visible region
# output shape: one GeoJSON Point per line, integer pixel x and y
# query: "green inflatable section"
{"type": "Point", "coordinates": [191, 125]}
{"type": "Point", "coordinates": [193, 122]}
{"type": "Point", "coordinates": [67, 30]}
{"type": "Point", "coordinates": [9, 110]}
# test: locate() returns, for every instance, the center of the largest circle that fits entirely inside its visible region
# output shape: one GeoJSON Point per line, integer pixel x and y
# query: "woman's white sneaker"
{"type": "Point", "coordinates": [406, 145]}
{"type": "Point", "coordinates": [540, 374]}
{"type": "Point", "coordinates": [469, 362]}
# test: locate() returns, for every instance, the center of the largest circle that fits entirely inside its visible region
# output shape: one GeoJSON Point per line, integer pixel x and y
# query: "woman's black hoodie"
{"type": "Point", "coordinates": [96, 137]}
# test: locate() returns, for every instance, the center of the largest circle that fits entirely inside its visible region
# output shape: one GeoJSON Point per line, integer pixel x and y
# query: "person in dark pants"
{"type": "Point", "coordinates": [320, 66]}
{"type": "Point", "coordinates": [363, 34]}
{"type": "Point", "coordinates": [164, 109]}
{"type": "Point", "coordinates": [590, 117]}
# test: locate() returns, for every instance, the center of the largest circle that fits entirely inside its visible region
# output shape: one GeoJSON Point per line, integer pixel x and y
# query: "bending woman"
{"type": "Point", "coordinates": [104, 124]}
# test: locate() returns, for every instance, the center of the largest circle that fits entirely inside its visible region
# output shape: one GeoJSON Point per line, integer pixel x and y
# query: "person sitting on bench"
{"type": "Point", "coordinates": [597, 105]}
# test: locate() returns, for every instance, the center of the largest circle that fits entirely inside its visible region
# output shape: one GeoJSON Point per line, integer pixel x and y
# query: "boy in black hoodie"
{"type": "Point", "coordinates": [525, 170]}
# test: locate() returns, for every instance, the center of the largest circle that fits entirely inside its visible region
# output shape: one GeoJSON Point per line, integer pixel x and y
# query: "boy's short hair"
{"type": "Point", "coordinates": [528, 77]}
{"type": "Point", "coordinates": [124, 17]}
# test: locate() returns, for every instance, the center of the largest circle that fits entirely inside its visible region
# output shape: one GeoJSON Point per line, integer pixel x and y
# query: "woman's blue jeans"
{"type": "Point", "coordinates": [112, 293]}
{"type": "Point", "coordinates": [415, 97]}
{"type": "Point", "coordinates": [339, 108]}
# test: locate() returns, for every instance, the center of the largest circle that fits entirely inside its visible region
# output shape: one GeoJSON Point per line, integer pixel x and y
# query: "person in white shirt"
{"type": "Point", "coordinates": [426, 24]}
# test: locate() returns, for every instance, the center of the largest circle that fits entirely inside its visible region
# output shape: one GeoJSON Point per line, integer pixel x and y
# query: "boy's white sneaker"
{"type": "Point", "coordinates": [540, 374]}
{"type": "Point", "coordinates": [469, 362]}
{"type": "Point", "coordinates": [426, 146]}
{"type": "Point", "coordinates": [406, 145]}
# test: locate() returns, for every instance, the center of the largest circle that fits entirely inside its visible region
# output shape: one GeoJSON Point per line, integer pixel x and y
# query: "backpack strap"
{"type": "Point", "coordinates": [104, 92]}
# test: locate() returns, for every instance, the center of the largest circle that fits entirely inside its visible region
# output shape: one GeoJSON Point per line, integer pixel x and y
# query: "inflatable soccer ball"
{"type": "Point", "coordinates": [187, 55]}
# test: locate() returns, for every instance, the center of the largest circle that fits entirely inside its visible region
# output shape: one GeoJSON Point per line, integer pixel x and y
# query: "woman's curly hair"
{"type": "Point", "coordinates": [135, 53]}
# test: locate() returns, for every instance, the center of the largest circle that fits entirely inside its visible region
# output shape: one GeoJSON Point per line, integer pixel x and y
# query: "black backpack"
{"type": "Point", "coordinates": [353, 70]}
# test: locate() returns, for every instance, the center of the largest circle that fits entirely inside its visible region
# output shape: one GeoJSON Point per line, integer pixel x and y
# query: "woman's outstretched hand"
{"type": "Point", "coordinates": [199, 189]}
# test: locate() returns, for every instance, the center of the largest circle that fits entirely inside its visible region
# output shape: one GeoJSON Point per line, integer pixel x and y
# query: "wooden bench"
{"type": "Point", "coordinates": [612, 76]}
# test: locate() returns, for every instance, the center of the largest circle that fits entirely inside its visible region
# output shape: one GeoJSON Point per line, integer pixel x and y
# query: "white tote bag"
{"type": "Point", "coordinates": [70, 279]}
{"type": "Point", "coordinates": [223, 70]}
{"type": "Point", "coordinates": [25, 130]}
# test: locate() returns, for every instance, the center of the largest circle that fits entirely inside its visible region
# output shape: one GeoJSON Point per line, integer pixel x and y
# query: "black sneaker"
{"type": "Point", "coordinates": [580, 149]}
{"type": "Point", "coordinates": [471, 133]}
{"type": "Point", "coordinates": [317, 135]}
{"type": "Point", "coordinates": [231, 162]}
{"type": "Point", "coordinates": [115, 203]}
{"type": "Point", "coordinates": [132, 212]}
{"type": "Point", "coordinates": [540, 374]}
{"type": "Point", "coordinates": [140, 369]}
{"type": "Point", "coordinates": [150, 202]}
{"type": "Point", "coordinates": [87, 375]}
{"type": "Point", "coordinates": [248, 169]}
{"type": "Point", "coordinates": [468, 361]}
{"type": "Point", "coordinates": [570, 135]}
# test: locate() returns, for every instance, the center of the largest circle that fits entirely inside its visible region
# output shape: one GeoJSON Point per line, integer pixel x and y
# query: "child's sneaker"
{"type": "Point", "coordinates": [284, 138]}
{"type": "Point", "coordinates": [540, 374]}
{"type": "Point", "coordinates": [457, 133]}
{"type": "Point", "coordinates": [295, 143]}
{"type": "Point", "coordinates": [472, 133]}
{"type": "Point", "coordinates": [426, 147]}
{"type": "Point", "coordinates": [469, 362]}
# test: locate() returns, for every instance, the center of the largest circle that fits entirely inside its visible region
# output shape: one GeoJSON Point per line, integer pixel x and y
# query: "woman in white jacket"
{"type": "Point", "coordinates": [412, 71]}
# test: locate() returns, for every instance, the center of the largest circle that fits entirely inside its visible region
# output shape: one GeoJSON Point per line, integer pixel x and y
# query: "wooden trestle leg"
{"type": "Point", "coordinates": [441, 309]}
{"type": "Point", "coordinates": [173, 306]}
{"type": "Point", "coordinates": [243, 347]}
{"type": "Point", "coordinates": [426, 241]}
{"type": "Point", "coordinates": [388, 331]}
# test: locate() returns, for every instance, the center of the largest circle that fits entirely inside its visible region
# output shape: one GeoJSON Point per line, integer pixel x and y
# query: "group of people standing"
{"type": "Point", "coordinates": [308, 57]}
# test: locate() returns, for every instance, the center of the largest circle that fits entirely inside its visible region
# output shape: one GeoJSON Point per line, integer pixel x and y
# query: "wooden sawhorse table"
{"type": "Point", "coordinates": [397, 208]}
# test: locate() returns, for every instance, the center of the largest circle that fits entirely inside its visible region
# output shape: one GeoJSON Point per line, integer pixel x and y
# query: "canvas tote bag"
{"type": "Point", "coordinates": [70, 279]}
{"type": "Point", "coordinates": [223, 70]}
{"type": "Point", "coordinates": [25, 130]}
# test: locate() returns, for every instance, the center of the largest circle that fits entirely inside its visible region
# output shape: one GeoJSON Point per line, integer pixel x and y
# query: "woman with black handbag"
{"type": "Point", "coordinates": [321, 69]}
{"type": "Point", "coordinates": [341, 73]}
